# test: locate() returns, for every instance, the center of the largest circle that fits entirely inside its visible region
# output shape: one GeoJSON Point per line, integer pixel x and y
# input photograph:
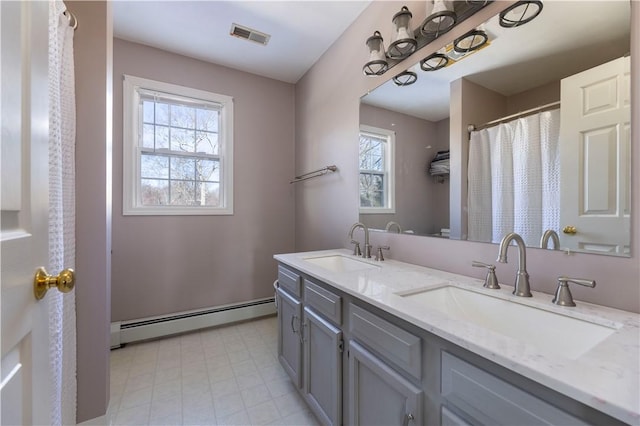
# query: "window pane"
{"type": "Point", "coordinates": [162, 137]}
{"type": "Point", "coordinates": [154, 166]}
{"type": "Point", "coordinates": [208, 194]}
{"type": "Point", "coordinates": [147, 135]}
{"type": "Point", "coordinates": [183, 168]}
{"type": "Point", "coordinates": [208, 170]}
{"type": "Point", "coordinates": [147, 111]}
{"type": "Point", "coordinates": [162, 113]}
{"type": "Point", "coordinates": [371, 190]}
{"type": "Point", "coordinates": [154, 192]}
{"type": "Point", "coordinates": [183, 193]}
{"type": "Point", "coordinates": [207, 143]}
{"type": "Point", "coordinates": [207, 120]}
{"type": "Point", "coordinates": [182, 140]}
{"type": "Point", "coordinates": [183, 116]}
{"type": "Point", "coordinates": [371, 153]}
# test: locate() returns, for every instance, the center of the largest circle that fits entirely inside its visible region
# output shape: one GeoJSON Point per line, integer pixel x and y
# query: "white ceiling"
{"type": "Point", "coordinates": [301, 31]}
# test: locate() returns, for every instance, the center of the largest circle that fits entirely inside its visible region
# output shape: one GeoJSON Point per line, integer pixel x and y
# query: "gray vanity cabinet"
{"type": "Point", "coordinates": [289, 335]}
{"type": "Point", "coordinates": [378, 395]}
{"type": "Point", "coordinates": [322, 387]}
{"type": "Point", "coordinates": [356, 364]}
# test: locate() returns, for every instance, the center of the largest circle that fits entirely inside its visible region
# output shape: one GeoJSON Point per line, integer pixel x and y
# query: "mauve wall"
{"type": "Point", "coordinates": [528, 99]}
{"type": "Point", "coordinates": [327, 106]}
{"type": "Point", "coordinates": [93, 61]}
{"type": "Point", "coordinates": [470, 104]}
{"type": "Point", "coordinates": [416, 192]}
{"type": "Point", "coordinates": [165, 264]}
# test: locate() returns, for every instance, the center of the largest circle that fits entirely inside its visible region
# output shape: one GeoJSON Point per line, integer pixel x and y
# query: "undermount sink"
{"type": "Point", "coordinates": [340, 263]}
{"type": "Point", "coordinates": [564, 335]}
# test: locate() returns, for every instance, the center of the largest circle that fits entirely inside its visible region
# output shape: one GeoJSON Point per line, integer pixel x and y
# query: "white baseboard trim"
{"type": "Point", "coordinates": [149, 328]}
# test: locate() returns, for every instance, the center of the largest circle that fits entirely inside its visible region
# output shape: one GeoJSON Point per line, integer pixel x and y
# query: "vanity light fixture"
{"type": "Point", "coordinates": [377, 64]}
{"type": "Point", "coordinates": [471, 41]}
{"type": "Point", "coordinates": [404, 43]}
{"type": "Point", "coordinates": [435, 61]}
{"type": "Point", "coordinates": [520, 13]}
{"type": "Point", "coordinates": [442, 15]}
{"type": "Point", "coordinates": [440, 19]}
{"type": "Point", "coordinates": [405, 78]}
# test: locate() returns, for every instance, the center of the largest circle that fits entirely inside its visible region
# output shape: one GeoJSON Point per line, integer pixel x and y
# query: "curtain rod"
{"type": "Point", "coordinates": [531, 111]}
{"type": "Point", "coordinates": [315, 173]}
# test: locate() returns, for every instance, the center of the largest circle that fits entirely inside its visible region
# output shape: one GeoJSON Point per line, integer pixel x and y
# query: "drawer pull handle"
{"type": "Point", "coordinates": [293, 319]}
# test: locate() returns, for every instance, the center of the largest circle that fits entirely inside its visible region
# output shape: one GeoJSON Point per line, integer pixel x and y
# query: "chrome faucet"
{"type": "Point", "coordinates": [391, 224]}
{"type": "Point", "coordinates": [521, 287]}
{"type": "Point", "coordinates": [367, 247]}
{"type": "Point", "coordinates": [544, 241]}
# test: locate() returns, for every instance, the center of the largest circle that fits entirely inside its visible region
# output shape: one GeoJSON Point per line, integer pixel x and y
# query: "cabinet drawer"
{"type": "Point", "coordinates": [289, 280]}
{"type": "Point", "coordinates": [492, 401]}
{"type": "Point", "coordinates": [393, 343]}
{"type": "Point", "coordinates": [323, 301]}
{"type": "Point", "coordinates": [450, 419]}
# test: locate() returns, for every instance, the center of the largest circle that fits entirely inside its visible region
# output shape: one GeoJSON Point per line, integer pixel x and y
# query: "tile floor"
{"type": "Point", "coordinates": [220, 376]}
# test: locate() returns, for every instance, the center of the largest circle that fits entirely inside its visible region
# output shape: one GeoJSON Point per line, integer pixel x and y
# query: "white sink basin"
{"type": "Point", "coordinates": [566, 336]}
{"type": "Point", "coordinates": [340, 263]}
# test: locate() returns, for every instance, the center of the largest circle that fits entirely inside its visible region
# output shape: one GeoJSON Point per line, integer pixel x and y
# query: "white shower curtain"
{"type": "Point", "coordinates": [513, 179]}
{"type": "Point", "coordinates": [62, 312]}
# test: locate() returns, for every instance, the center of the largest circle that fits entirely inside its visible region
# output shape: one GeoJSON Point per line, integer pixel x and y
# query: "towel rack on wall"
{"type": "Point", "coordinates": [320, 172]}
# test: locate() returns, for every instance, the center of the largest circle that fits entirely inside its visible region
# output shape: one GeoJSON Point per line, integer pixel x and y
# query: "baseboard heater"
{"type": "Point", "coordinates": [150, 328]}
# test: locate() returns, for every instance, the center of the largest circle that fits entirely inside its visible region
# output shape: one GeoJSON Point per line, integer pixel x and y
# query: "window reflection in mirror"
{"type": "Point", "coordinates": [520, 70]}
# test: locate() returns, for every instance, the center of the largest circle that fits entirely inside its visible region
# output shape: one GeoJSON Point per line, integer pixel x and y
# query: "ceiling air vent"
{"type": "Point", "coordinates": [249, 34]}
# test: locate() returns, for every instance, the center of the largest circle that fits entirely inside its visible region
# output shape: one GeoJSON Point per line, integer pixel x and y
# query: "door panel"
{"type": "Point", "coordinates": [322, 367]}
{"type": "Point", "coordinates": [378, 395]}
{"type": "Point", "coordinates": [595, 158]}
{"type": "Point", "coordinates": [289, 340]}
{"type": "Point", "coordinates": [24, 385]}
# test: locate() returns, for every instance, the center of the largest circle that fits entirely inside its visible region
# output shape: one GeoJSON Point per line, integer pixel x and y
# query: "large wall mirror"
{"type": "Point", "coordinates": [530, 133]}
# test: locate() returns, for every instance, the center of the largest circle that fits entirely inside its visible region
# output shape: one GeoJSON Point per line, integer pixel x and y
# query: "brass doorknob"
{"type": "Point", "coordinates": [569, 229]}
{"type": "Point", "coordinates": [42, 282]}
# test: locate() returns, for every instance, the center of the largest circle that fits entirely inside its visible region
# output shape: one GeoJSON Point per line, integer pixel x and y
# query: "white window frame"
{"type": "Point", "coordinates": [132, 115]}
{"type": "Point", "coordinates": [389, 170]}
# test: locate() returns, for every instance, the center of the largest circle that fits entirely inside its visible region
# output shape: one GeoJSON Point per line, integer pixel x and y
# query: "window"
{"type": "Point", "coordinates": [376, 170]}
{"type": "Point", "coordinates": [178, 150]}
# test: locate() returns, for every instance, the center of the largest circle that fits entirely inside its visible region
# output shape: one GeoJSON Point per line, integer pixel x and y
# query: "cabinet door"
{"type": "Point", "coordinates": [289, 337]}
{"type": "Point", "coordinates": [378, 395]}
{"type": "Point", "coordinates": [322, 368]}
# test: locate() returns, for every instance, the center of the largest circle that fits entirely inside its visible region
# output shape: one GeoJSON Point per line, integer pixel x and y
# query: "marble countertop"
{"type": "Point", "coordinates": [605, 377]}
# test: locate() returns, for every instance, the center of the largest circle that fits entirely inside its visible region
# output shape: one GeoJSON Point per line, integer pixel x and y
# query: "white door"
{"type": "Point", "coordinates": [24, 386]}
{"type": "Point", "coordinates": [595, 136]}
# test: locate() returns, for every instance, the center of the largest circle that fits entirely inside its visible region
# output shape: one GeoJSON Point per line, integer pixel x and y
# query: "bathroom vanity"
{"type": "Point", "coordinates": [392, 343]}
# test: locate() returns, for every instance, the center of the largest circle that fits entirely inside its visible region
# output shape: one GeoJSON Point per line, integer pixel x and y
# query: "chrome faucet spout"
{"type": "Point", "coordinates": [367, 247]}
{"type": "Point", "coordinates": [550, 234]}
{"type": "Point", "coordinates": [392, 224]}
{"type": "Point", "coordinates": [521, 287]}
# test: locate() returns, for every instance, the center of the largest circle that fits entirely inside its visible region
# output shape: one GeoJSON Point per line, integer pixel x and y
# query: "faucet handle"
{"type": "Point", "coordinates": [356, 248]}
{"type": "Point", "coordinates": [491, 280]}
{"type": "Point", "coordinates": [379, 256]}
{"type": "Point", "coordinates": [563, 295]}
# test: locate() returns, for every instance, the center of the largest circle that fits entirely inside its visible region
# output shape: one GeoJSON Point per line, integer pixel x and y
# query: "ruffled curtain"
{"type": "Point", "coordinates": [62, 310]}
{"type": "Point", "coordinates": [513, 179]}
